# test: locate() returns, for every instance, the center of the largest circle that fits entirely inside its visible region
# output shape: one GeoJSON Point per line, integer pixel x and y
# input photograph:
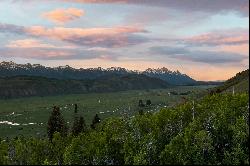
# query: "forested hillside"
{"type": "Point", "coordinates": [238, 84]}
{"type": "Point", "coordinates": [26, 86]}
{"type": "Point", "coordinates": [213, 131]}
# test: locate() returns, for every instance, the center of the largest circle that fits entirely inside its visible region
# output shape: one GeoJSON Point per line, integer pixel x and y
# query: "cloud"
{"type": "Point", "coordinates": [43, 53]}
{"type": "Point", "coordinates": [101, 37]}
{"type": "Point", "coordinates": [236, 37]}
{"type": "Point", "coordinates": [94, 37]}
{"type": "Point", "coordinates": [239, 49]}
{"type": "Point", "coordinates": [209, 57]}
{"type": "Point", "coordinates": [153, 16]}
{"type": "Point", "coordinates": [212, 6]}
{"type": "Point", "coordinates": [10, 28]}
{"type": "Point", "coordinates": [61, 16]}
{"type": "Point", "coordinates": [28, 43]}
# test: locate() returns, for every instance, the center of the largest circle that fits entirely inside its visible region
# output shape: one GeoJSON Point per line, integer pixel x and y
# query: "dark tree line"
{"type": "Point", "coordinates": [141, 103]}
{"type": "Point", "coordinates": [56, 123]}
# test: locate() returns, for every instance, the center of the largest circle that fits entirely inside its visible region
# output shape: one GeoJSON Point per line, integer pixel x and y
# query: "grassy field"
{"type": "Point", "coordinates": [29, 116]}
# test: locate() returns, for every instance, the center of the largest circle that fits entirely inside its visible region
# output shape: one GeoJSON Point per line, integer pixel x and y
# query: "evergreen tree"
{"type": "Point", "coordinates": [75, 126]}
{"type": "Point", "coordinates": [148, 103]}
{"type": "Point", "coordinates": [141, 112]}
{"type": "Point", "coordinates": [141, 104]}
{"type": "Point", "coordinates": [79, 126]}
{"type": "Point", "coordinates": [76, 108]}
{"type": "Point", "coordinates": [95, 121]}
{"type": "Point", "coordinates": [56, 123]}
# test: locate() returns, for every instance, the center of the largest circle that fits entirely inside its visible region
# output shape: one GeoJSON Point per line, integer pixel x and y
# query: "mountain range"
{"type": "Point", "coordinates": [8, 69]}
{"type": "Point", "coordinates": [25, 80]}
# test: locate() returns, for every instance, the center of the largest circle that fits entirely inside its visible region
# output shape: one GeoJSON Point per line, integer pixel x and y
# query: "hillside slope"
{"type": "Point", "coordinates": [26, 86]}
{"type": "Point", "coordinates": [239, 83]}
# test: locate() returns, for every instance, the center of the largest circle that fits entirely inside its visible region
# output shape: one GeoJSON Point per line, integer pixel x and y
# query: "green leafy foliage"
{"type": "Point", "coordinates": [3, 153]}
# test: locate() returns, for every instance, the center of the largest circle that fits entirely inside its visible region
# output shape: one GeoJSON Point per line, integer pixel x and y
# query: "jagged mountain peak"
{"type": "Point", "coordinates": [4, 63]}
{"type": "Point", "coordinates": [162, 70]}
{"type": "Point", "coordinates": [64, 67]}
{"type": "Point", "coordinates": [116, 69]}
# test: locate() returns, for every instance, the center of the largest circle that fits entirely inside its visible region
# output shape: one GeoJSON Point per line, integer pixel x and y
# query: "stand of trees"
{"type": "Point", "coordinates": [218, 134]}
{"type": "Point", "coordinates": [79, 125]}
{"type": "Point", "coordinates": [57, 124]}
{"type": "Point", "coordinates": [141, 104]}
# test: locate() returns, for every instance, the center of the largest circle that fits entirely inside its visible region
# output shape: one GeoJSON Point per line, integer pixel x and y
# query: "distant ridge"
{"type": "Point", "coordinates": [67, 72]}
{"type": "Point", "coordinates": [27, 86]}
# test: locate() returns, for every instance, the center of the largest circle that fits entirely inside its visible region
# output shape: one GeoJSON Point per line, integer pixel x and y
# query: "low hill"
{"type": "Point", "coordinates": [26, 86]}
{"type": "Point", "coordinates": [238, 84]}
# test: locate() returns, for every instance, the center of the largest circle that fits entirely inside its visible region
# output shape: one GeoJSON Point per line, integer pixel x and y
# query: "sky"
{"type": "Point", "coordinates": [205, 39]}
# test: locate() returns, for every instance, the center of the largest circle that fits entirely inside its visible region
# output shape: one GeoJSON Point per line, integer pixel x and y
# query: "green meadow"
{"type": "Point", "coordinates": [29, 116]}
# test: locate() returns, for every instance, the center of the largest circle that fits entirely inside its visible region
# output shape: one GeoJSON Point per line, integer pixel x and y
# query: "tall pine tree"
{"type": "Point", "coordinates": [79, 126]}
{"type": "Point", "coordinates": [95, 121]}
{"type": "Point", "coordinates": [56, 123]}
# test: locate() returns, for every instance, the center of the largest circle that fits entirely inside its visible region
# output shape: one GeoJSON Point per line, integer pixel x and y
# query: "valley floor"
{"type": "Point", "coordinates": [29, 116]}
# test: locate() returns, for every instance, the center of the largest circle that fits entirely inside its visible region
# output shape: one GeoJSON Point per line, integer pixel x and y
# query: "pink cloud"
{"type": "Point", "coordinates": [60, 32]}
{"type": "Point", "coordinates": [35, 53]}
{"type": "Point", "coordinates": [102, 37]}
{"type": "Point", "coordinates": [242, 49]}
{"type": "Point", "coordinates": [220, 38]}
{"type": "Point", "coordinates": [47, 53]}
{"type": "Point", "coordinates": [63, 15]}
{"type": "Point", "coordinates": [94, 37]}
{"type": "Point", "coordinates": [28, 43]}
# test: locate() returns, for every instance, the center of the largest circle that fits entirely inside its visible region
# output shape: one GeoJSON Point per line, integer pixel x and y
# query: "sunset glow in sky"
{"type": "Point", "coordinates": [206, 39]}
